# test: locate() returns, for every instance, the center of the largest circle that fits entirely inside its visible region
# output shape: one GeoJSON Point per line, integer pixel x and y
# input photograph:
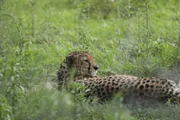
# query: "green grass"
{"type": "Point", "coordinates": [140, 38]}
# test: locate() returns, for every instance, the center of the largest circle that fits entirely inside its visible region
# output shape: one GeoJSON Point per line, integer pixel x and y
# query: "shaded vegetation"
{"type": "Point", "coordinates": [140, 38]}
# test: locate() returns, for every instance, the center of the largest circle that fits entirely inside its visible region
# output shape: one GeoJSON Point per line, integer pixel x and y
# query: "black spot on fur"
{"type": "Point", "coordinates": [138, 83]}
{"type": "Point", "coordinates": [141, 87]}
{"type": "Point", "coordinates": [112, 88]}
{"type": "Point", "coordinates": [171, 92]}
{"type": "Point", "coordinates": [131, 87]}
{"type": "Point", "coordinates": [147, 85]}
{"type": "Point", "coordinates": [98, 89]}
{"type": "Point", "coordinates": [166, 92]}
{"type": "Point", "coordinates": [117, 89]}
{"type": "Point", "coordinates": [162, 82]}
{"type": "Point", "coordinates": [102, 89]}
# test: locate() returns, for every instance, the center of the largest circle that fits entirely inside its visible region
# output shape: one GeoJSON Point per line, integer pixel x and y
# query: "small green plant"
{"type": "Point", "coordinates": [5, 109]}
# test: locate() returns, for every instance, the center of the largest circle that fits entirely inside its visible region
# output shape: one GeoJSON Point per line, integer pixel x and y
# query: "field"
{"type": "Point", "coordinates": [135, 37]}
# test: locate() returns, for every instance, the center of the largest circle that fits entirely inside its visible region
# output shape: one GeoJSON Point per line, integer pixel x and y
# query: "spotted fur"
{"type": "Point", "coordinates": [104, 87]}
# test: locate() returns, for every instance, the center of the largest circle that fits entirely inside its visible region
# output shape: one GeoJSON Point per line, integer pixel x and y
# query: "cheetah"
{"type": "Point", "coordinates": [104, 87]}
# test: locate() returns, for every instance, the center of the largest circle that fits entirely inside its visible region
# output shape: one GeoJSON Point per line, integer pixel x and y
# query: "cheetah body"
{"type": "Point", "coordinates": [104, 87]}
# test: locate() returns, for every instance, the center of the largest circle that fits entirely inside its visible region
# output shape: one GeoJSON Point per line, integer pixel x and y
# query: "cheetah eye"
{"type": "Point", "coordinates": [86, 60]}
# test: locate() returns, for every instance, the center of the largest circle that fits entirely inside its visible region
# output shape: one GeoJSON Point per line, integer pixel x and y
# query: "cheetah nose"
{"type": "Point", "coordinates": [96, 67]}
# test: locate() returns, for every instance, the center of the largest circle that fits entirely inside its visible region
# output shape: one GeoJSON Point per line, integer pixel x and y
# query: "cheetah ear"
{"type": "Point", "coordinates": [70, 60]}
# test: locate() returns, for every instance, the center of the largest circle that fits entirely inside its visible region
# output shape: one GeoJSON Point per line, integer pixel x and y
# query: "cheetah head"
{"type": "Point", "coordinates": [82, 62]}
